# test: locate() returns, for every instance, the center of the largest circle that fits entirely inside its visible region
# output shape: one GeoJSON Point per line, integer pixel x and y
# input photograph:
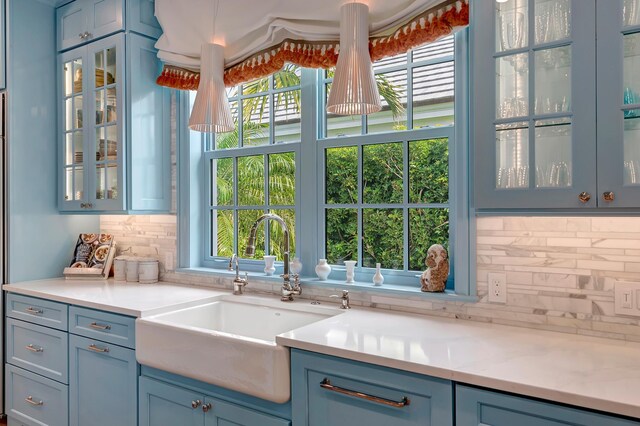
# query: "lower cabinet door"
{"type": "Point", "coordinates": [220, 413]}
{"type": "Point", "coordinates": [162, 404]}
{"type": "Point", "coordinates": [35, 400]}
{"type": "Point", "coordinates": [103, 382]}
{"type": "Point", "coordinates": [339, 392]}
{"type": "Point", "coordinates": [478, 407]}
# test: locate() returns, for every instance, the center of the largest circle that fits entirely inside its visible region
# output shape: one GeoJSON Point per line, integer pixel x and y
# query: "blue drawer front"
{"type": "Point", "coordinates": [38, 349]}
{"type": "Point", "coordinates": [112, 328]}
{"type": "Point", "coordinates": [476, 407]}
{"type": "Point", "coordinates": [103, 384]}
{"type": "Point", "coordinates": [430, 401]}
{"type": "Point", "coordinates": [35, 400]}
{"type": "Point", "coordinates": [38, 311]}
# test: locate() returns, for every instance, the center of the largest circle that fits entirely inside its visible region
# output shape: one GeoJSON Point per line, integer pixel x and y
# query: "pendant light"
{"type": "Point", "coordinates": [211, 112]}
{"type": "Point", "coordinates": [354, 90]}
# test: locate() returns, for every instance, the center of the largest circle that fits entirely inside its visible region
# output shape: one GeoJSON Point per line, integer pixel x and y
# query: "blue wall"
{"type": "Point", "coordinates": [40, 239]}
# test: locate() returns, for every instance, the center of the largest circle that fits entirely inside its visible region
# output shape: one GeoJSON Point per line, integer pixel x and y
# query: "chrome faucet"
{"type": "Point", "coordinates": [287, 291]}
{"type": "Point", "coordinates": [238, 283]}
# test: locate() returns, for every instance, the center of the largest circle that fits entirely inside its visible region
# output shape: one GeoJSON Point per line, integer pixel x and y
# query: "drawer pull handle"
{"type": "Point", "coordinates": [33, 348]}
{"type": "Point", "coordinates": [326, 384]}
{"type": "Point", "coordinates": [100, 326]}
{"type": "Point", "coordinates": [195, 404]}
{"type": "Point", "coordinates": [30, 400]}
{"type": "Point", "coordinates": [34, 311]}
{"type": "Point", "coordinates": [97, 349]}
{"type": "Point", "coordinates": [207, 407]}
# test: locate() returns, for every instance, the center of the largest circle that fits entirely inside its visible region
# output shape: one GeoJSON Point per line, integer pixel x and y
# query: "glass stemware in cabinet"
{"type": "Point", "coordinates": [552, 20]}
{"type": "Point", "coordinates": [553, 153]}
{"type": "Point", "coordinates": [512, 86]}
{"type": "Point", "coordinates": [631, 164]}
{"type": "Point", "coordinates": [511, 25]}
{"type": "Point", "coordinates": [512, 156]}
{"type": "Point", "coordinates": [631, 12]}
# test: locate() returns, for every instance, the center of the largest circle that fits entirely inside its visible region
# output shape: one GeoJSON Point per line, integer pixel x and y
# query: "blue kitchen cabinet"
{"type": "Point", "coordinates": [479, 407]}
{"type": "Point", "coordinates": [3, 49]}
{"type": "Point", "coordinates": [103, 383]}
{"type": "Point", "coordinates": [334, 391]}
{"type": "Point", "coordinates": [85, 21]}
{"type": "Point", "coordinates": [114, 121]}
{"type": "Point", "coordinates": [165, 404]}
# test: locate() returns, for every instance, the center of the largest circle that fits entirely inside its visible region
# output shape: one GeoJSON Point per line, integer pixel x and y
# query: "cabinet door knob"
{"type": "Point", "coordinates": [81, 35]}
{"type": "Point", "coordinates": [584, 197]}
{"type": "Point", "coordinates": [206, 407]}
{"type": "Point", "coordinates": [608, 196]}
{"type": "Point", "coordinates": [195, 404]}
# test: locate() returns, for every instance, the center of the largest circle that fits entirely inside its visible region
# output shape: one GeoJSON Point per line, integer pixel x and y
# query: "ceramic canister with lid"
{"type": "Point", "coordinates": [132, 269]}
{"type": "Point", "coordinates": [148, 270]}
{"type": "Point", "coordinates": [120, 268]}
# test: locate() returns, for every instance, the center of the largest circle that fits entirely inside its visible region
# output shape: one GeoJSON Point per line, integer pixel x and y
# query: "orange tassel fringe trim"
{"type": "Point", "coordinates": [425, 28]}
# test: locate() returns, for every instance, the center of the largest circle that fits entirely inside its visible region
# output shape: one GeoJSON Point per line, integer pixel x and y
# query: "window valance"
{"type": "Point", "coordinates": [300, 32]}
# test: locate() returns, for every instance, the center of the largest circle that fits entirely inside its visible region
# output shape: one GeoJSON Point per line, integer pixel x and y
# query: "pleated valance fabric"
{"type": "Point", "coordinates": [261, 35]}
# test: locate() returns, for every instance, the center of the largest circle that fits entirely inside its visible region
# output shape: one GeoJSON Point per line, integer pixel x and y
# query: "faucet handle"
{"type": "Point", "coordinates": [344, 299]}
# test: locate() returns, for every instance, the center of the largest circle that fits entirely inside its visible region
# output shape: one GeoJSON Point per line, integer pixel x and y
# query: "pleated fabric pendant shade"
{"type": "Point", "coordinates": [211, 112]}
{"type": "Point", "coordinates": [354, 90]}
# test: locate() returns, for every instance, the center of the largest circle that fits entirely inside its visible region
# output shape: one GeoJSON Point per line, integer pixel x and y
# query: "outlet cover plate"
{"type": "Point", "coordinates": [497, 287]}
{"type": "Point", "coordinates": [627, 298]}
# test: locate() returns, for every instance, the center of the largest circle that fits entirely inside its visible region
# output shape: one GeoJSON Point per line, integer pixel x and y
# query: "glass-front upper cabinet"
{"type": "Point", "coordinates": [534, 103]}
{"type": "Point", "coordinates": [93, 130]}
{"type": "Point", "coordinates": [618, 49]}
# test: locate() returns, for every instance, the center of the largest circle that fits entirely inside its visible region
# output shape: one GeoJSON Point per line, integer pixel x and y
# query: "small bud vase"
{"type": "Point", "coordinates": [351, 266]}
{"type": "Point", "coordinates": [269, 267]}
{"type": "Point", "coordinates": [378, 279]}
{"type": "Point", "coordinates": [323, 269]}
{"type": "Point", "coordinates": [295, 266]}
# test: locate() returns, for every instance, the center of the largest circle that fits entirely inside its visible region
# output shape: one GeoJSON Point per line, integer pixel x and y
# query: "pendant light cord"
{"type": "Point", "coordinates": [216, 4]}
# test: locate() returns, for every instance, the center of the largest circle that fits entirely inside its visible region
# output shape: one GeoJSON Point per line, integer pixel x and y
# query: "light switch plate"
{"type": "Point", "coordinates": [627, 298]}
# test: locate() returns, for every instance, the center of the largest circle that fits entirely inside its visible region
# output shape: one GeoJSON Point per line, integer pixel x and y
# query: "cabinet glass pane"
{"type": "Point", "coordinates": [99, 68]}
{"type": "Point", "coordinates": [552, 20]}
{"type": "Point", "coordinates": [341, 242]}
{"type": "Point", "coordinates": [222, 170]}
{"type": "Point", "coordinates": [631, 12]}
{"type": "Point", "coordinates": [512, 156]}
{"type": "Point", "coordinates": [68, 184]}
{"type": "Point", "coordinates": [68, 114]}
{"type": "Point", "coordinates": [73, 148]}
{"type": "Point", "coordinates": [78, 182]}
{"type": "Point", "coordinates": [77, 110]}
{"type": "Point", "coordinates": [68, 78]}
{"type": "Point", "coordinates": [111, 103]}
{"type": "Point", "coordinates": [512, 17]}
{"type": "Point", "coordinates": [553, 80]}
{"type": "Point", "coordinates": [553, 153]}
{"type": "Point", "coordinates": [632, 147]}
{"type": "Point", "coordinates": [112, 181]}
{"type": "Point", "coordinates": [512, 86]}
{"type": "Point", "coordinates": [77, 76]}
{"type": "Point", "coordinates": [112, 143]}
{"type": "Point", "coordinates": [286, 118]}
{"type": "Point", "coordinates": [111, 77]}
{"type": "Point", "coordinates": [101, 145]}
{"type": "Point", "coordinates": [631, 69]}
{"type": "Point", "coordinates": [101, 181]}
{"type": "Point", "coordinates": [100, 107]}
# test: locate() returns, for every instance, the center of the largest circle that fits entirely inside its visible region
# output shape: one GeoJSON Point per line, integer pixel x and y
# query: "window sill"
{"type": "Point", "coordinates": [391, 289]}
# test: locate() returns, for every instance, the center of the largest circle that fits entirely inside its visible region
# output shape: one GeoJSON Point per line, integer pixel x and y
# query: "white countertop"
{"type": "Point", "coordinates": [137, 300]}
{"type": "Point", "coordinates": [599, 374]}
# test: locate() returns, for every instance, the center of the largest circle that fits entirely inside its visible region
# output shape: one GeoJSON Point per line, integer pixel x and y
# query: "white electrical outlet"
{"type": "Point", "coordinates": [497, 287]}
{"type": "Point", "coordinates": [627, 298]}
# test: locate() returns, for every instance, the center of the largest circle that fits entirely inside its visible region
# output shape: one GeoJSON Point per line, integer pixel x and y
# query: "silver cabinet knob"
{"type": "Point", "coordinates": [584, 197]}
{"type": "Point", "coordinates": [206, 407]}
{"type": "Point", "coordinates": [608, 196]}
{"type": "Point", "coordinates": [195, 404]}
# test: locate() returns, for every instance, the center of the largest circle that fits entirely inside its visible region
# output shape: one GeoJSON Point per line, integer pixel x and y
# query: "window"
{"type": "Point", "coordinates": [376, 189]}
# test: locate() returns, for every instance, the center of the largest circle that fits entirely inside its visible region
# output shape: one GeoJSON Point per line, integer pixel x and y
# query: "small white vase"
{"type": "Point", "coordinates": [295, 266]}
{"type": "Point", "coordinates": [323, 269]}
{"type": "Point", "coordinates": [351, 266]}
{"type": "Point", "coordinates": [378, 279]}
{"type": "Point", "coordinates": [269, 269]}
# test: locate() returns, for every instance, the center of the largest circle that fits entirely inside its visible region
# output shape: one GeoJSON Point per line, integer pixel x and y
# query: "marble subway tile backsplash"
{"type": "Point", "coordinates": [560, 271]}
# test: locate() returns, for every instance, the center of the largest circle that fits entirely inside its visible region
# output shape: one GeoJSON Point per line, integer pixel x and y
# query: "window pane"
{"type": "Point", "coordinates": [426, 227]}
{"type": "Point", "coordinates": [246, 219]}
{"type": "Point", "coordinates": [229, 139]}
{"type": "Point", "coordinates": [222, 227]}
{"type": "Point", "coordinates": [282, 179]}
{"type": "Point", "coordinates": [393, 95]}
{"type": "Point", "coordinates": [383, 238]}
{"type": "Point", "coordinates": [433, 93]}
{"type": "Point", "coordinates": [341, 241]}
{"type": "Point", "coordinates": [222, 171]}
{"type": "Point", "coordinates": [276, 234]}
{"type": "Point", "coordinates": [438, 49]}
{"type": "Point", "coordinates": [341, 125]}
{"type": "Point", "coordinates": [341, 175]}
{"type": "Point", "coordinates": [255, 116]}
{"type": "Point", "coordinates": [254, 87]}
{"type": "Point", "coordinates": [429, 171]}
{"type": "Point", "coordinates": [390, 61]}
{"type": "Point", "coordinates": [251, 180]}
{"type": "Point", "coordinates": [382, 173]}
{"type": "Point", "coordinates": [287, 116]}
{"type": "Point", "coordinates": [288, 77]}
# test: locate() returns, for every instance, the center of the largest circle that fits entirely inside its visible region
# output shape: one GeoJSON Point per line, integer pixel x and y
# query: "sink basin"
{"type": "Point", "coordinates": [230, 342]}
